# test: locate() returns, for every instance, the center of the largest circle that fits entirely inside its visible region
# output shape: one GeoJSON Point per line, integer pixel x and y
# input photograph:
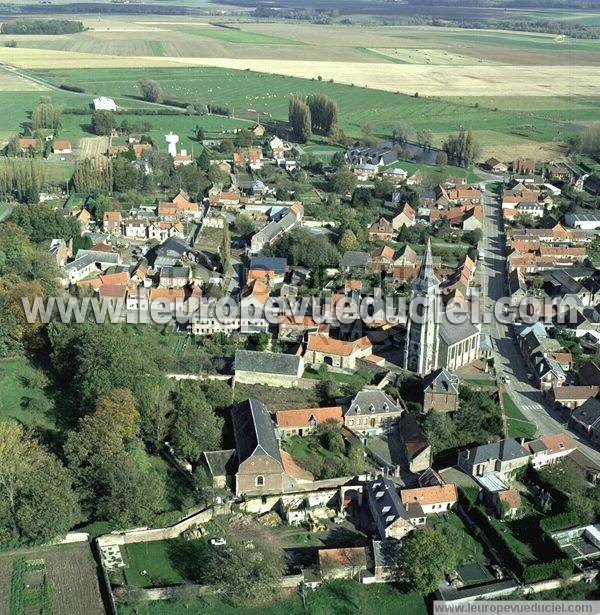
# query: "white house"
{"type": "Point", "coordinates": [434, 499]}
{"type": "Point", "coordinates": [103, 103]}
{"type": "Point", "coordinates": [585, 222]}
{"type": "Point", "coordinates": [549, 449]}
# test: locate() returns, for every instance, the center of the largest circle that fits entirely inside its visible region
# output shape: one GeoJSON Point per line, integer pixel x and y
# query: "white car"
{"type": "Point", "coordinates": [218, 542]}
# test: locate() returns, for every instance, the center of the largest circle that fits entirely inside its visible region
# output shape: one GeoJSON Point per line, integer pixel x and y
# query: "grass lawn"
{"type": "Point", "coordinates": [339, 596]}
{"type": "Point", "coordinates": [518, 425]}
{"type": "Point", "coordinates": [356, 380]}
{"type": "Point", "coordinates": [160, 559]}
{"type": "Point", "coordinates": [16, 394]}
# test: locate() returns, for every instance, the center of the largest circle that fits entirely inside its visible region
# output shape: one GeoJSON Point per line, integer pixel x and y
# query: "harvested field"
{"type": "Point", "coordinates": [92, 147]}
{"type": "Point", "coordinates": [10, 82]}
{"type": "Point", "coordinates": [71, 571]}
{"type": "Point", "coordinates": [427, 56]}
{"type": "Point", "coordinates": [408, 78]}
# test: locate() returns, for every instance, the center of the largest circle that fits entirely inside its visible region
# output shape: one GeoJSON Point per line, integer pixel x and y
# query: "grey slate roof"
{"type": "Point", "coordinates": [372, 402]}
{"type": "Point", "coordinates": [221, 463]}
{"type": "Point", "coordinates": [87, 257]}
{"type": "Point", "coordinates": [441, 381]}
{"type": "Point", "coordinates": [174, 272]}
{"type": "Point", "coordinates": [386, 501]}
{"type": "Point", "coordinates": [426, 278]}
{"type": "Point", "coordinates": [588, 413]}
{"type": "Point", "coordinates": [353, 259]}
{"type": "Point", "coordinates": [269, 263]}
{"type": "Point", "coordinates": [505, 450]}
{"type": "Point", "coordinates": [266, 362]}
{"type": "Point", "coordinates": [254, 431]}
{"type": "Point", "coordinates": [453, 333]}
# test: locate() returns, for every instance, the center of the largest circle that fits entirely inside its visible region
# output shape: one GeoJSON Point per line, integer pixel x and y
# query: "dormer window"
{"type": "Point", "coordinates": [371, 408]}
{"type": "Point", "coordinates": [386, 406]}
{"type": "Point", "coordinates": [379, 495]}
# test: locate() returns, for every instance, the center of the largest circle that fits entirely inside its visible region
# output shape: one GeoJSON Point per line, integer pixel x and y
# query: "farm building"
{"type": "Point", "coordinates": [103, 103]}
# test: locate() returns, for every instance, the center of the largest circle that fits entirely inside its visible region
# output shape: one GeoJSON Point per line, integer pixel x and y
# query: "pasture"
{"type": "Point", "coordinates": [71, 573]}
{"type": "Point", "coordinates": [527, 129]}
{"type": "Point", "coordinates": [232, 35]}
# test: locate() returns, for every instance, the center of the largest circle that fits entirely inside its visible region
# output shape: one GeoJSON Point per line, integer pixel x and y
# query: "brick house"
{"type": "Point", "coordinates": [381, 230]}
{"type": "Point", "coordinates": [440, 391]}
{"type": "Point", "coordinates": [259, 463]}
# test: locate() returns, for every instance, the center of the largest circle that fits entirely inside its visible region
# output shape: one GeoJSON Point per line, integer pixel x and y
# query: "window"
{"type": "Point", "coordinates": [260, 481]}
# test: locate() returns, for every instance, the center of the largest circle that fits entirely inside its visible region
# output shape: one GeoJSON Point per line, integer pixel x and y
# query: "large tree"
{"type": "Point", "coordinates": [196, 427]}
{"type": "Point", "coordinates": [243, 574]}
{"type": "Point", "coordinates": [151, 90]}
{"type": "Point", "coordinates": [323, 112]}
{"type": "Point", "coordinates": [37, 502]}
{"type": "Point", "coordinates": [428, 555]}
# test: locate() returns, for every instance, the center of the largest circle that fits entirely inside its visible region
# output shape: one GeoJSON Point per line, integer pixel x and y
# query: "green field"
{"type": "Point", "coordinates": [239, 36]}
{"type": "Point", "coordinates": [249, 92]}
{"type": "Point", "coordinates": [344, 597]}
{"type": "Point", "coordinates": [156, 48]}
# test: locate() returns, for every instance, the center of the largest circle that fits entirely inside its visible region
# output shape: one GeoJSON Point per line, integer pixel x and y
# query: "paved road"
{"type": "Point", "coordinates": [507, 356]}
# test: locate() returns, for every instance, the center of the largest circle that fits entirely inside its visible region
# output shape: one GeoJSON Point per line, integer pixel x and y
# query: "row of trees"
{"type": "Point", "coordinates": [42, 26]}
{"type": "Point", "coordinates": [316, 112]}
{"type": "Point", "coordinates": [462, 148]}
{"type": "Point", "coordinates": [46, 116]}
{"type": "Point", "coordinates": [23, 178]}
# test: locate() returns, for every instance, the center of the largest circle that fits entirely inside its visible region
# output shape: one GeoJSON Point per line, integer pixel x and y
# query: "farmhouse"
{"type": "Point", "coordinates": [494, 165]}
{"type": "Point", "coordinates": [62, 147]}
{"type": "Point", "coordinates": [523, 166]}
{"type": "Point", "coordinates": [406, 217]}
{"type": "Point", "coordinates": [112, 222]}
{"type": "Point", "coordinates": [382, 230]}
{"type": "Point", "coordinates": [303, 421]}
{"type": "Point", "coordinates": [390, 516]}
{"type": "Point", "coordinates": [103, 103]}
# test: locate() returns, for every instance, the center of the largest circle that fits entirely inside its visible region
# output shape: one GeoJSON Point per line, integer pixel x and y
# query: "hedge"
{"type": "Point", "coordinates": [561, 521]}
{"type": "Point", "coordinates": [71, 88]}
{"type": "Point", "coordinates": [549, 570]}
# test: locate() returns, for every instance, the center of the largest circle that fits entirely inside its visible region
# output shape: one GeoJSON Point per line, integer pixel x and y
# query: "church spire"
{"type": "Point", "coordinates": [426, 278]}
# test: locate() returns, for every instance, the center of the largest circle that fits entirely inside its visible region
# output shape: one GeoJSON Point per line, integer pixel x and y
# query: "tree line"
{"type": "Point", "coordinates": [42, 26]}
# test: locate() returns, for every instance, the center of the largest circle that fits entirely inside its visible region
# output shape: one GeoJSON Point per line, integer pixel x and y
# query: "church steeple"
{"type": "Point", "coordinates": [426, 278]}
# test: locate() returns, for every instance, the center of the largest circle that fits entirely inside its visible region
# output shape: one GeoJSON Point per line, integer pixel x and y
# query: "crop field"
{"type": "Point", "coordinates": [231, 35]}
{"type": "Point", "coordinates": [71, 573]}
{"type": "Point", "coordinates": [410, 55]}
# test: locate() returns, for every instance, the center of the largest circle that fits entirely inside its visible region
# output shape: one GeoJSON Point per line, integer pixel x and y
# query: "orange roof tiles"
{"type": "Point", "coordinates": [437, 494]}
{"type": "Point", "coordinates": [300, 417]}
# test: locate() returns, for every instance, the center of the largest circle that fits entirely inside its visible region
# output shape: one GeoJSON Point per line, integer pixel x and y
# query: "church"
{"type": "Point", "coordinates": [434, 338]}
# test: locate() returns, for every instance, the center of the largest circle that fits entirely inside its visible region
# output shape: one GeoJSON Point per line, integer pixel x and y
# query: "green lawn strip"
{"type": "Point", "coordinates": [153, 559]}
{"type": "Point", "coordinates": [518, 425]}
